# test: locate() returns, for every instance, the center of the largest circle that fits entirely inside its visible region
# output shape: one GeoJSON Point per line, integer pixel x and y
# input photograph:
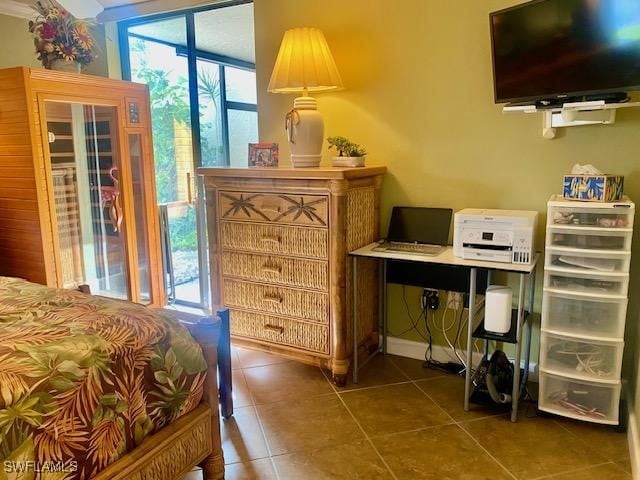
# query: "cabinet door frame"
{"type": "Point", "coordinates": [126, 188]}
{"type": "Point", "coordinates": [152, 228]}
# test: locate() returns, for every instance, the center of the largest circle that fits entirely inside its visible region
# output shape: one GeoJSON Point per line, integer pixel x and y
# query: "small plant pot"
{"type": "Point", "coordinates": [348, 161]}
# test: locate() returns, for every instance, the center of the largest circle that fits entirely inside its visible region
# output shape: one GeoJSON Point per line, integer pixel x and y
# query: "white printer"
{"type": "Point", "coordinates": [495, 235]}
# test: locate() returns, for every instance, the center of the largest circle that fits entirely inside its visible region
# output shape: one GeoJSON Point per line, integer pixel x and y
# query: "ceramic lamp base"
{"type": "Point", "coordinates": [306, 132]}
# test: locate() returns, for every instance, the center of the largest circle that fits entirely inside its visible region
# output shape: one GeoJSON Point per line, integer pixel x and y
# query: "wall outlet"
{"type": "Point", "coordinates": [454, 300]}
{"type": "Point", "coordinates": [430, 299]}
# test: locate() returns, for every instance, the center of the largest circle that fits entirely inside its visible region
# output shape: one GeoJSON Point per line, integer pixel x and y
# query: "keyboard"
{"type": "Point", "coordinates": [412, 248]}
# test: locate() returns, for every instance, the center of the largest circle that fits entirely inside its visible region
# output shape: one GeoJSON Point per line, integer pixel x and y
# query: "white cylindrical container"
{"type": "Point", "coordinates": [306, 133]}
{"type": "Point", "coordinates": [497, 311]}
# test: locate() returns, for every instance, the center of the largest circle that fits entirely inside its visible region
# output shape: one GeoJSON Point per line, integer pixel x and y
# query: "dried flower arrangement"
{"type": "Point", "coordinates": [58, 35]}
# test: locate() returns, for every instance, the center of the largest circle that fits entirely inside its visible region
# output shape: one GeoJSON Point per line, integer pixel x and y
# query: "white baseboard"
{"type": "Point", "coordinates": [413, 349]}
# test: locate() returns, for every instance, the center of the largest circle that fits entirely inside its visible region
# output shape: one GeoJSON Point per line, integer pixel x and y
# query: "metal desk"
{"type": "Point", "coordinates": [526, 274]}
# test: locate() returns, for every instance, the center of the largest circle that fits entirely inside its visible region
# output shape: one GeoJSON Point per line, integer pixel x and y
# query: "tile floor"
{"type": "Point", "coordinates": [400, 422]}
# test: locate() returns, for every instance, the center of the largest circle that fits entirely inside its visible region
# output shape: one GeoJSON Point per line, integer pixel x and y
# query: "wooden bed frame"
{"type": "Point", "coordinates": [193, 439]}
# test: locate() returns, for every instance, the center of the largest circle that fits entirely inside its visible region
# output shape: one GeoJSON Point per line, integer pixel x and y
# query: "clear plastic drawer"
{"type": "Point", "coordinates": [590, 401]}
{"type": "Point", "coordinates": [591, 217]}
{"type": "Point", "coordinates": [608, 262]}
{"type": "Point", "coordinates": [577, 315]}
{"type": "Point", "coordinates": [587, 283]}
{"type": "Point", "coordinates": [578, 358]}
{"type": "Point", "coordinates": [589, 238]}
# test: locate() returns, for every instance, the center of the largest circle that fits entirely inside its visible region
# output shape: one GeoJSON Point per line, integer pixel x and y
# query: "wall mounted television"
{"type": "Point", "coordinates": [553, 49]}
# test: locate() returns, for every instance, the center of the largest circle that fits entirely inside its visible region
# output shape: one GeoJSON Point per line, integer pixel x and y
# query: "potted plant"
{"type": "Point", "coordinates": [349, 154]}
{"type": "Point", "coordinates": [62, 41]}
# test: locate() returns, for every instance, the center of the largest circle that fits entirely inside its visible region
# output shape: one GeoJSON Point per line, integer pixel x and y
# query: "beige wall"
{"type": "Point", "coordinates": [419, 96]}
{"type": "Point", "coordinates": [17, 46]}
{"type": "Point", "coordinates": [17, 43]}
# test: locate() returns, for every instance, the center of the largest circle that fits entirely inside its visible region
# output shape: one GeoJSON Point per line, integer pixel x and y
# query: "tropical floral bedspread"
{"type": "Point", "coordinates": [84, 379]}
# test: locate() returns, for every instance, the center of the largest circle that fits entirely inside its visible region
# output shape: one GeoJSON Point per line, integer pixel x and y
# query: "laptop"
{"type": "Point", "coordinates": [420, 230]}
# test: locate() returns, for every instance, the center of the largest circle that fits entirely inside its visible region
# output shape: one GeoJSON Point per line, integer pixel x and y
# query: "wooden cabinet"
{"type": "Point", "coordinates": [77, 192]}
{"type": "Point", "coordinates": [278, 245]}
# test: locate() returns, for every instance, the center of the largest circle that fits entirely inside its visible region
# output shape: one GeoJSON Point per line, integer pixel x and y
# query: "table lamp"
{"type": "Point", "coordinates": [304, 64]}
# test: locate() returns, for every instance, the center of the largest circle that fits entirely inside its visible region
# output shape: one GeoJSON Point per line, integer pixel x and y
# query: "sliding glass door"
{"type": "Point", "coordinates": [200, 71]}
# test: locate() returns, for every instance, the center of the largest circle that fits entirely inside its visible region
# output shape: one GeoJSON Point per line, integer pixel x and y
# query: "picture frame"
{"type": "Point", "coordinates": [263, 154]}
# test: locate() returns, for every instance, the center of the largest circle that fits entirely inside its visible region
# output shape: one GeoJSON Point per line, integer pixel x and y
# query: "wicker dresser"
{"type": "Point", "coordinates": [278, 244]}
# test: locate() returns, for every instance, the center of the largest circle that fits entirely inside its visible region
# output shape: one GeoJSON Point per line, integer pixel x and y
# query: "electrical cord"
{"type": "Point", "coordinates": [414, 322]}
{"type": "Point", "coordinates": [445, 331]}
{"type": "Point", "coordinates": [428, 354]}
{"type": "Point", "coordinates": [455, 346]}
{"type": "Point", "coordinates": [589, 359]}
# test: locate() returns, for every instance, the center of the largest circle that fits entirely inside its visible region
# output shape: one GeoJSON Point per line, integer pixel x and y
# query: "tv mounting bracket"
{"type": "Point", "coordinates": [572, 114]}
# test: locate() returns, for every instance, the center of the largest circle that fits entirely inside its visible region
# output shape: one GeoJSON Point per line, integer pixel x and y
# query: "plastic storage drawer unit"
{"type": "Point", "coordinates": [597, 284]}
{"type": "Point", "coordinates": [583, 400]}
{"type": "Point", "coordinates": [579, 315]}
{"type": "Point", "coordinates": [591, 216]}
{"type": "Point", "coordinates": [581, 260]}
{"type": "Point", "coordinates": [616, 239]}
{"type": "Point", "coordinates": [582, 359]}
{"type": "Point", "coordinates": [584, 307]}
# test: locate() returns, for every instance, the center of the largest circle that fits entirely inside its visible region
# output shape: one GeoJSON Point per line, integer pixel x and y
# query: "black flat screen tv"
{"type": "Point", "coordinates": [565, 48]}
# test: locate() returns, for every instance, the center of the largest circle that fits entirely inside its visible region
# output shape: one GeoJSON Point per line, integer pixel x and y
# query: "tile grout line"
{"type": "Point", "coordinates": [415, 430]}
{"type": "Point", "coordinates": [555, 420]}
{"type": "Point", "coordinates": [372, 387]}
{"type": "Point", "coordinates": [367, 438]}
{"type": "Point", "coordinates": [264, 436]}
{"type": "Point", "coordinates": [582, 469]}
{"type": "Point", "coordinates": [509, 472]}
{"type": "Point", "coordinates": [466, 433]}
{"type": "Point", "coordinates": [607, 458]}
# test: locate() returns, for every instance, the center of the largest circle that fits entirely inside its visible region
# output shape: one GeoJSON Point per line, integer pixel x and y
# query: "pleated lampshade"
{"type": "Point", "coordinates": [304, 62]}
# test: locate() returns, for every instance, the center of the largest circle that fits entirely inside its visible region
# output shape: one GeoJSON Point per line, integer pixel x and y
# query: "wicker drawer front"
{"type": "Point", "coordinates": [280, 331]}
{"type": "Point", "coordinates": [279, 208]}
{"type": "Point", "coordinates": [276, 300]}
{"type": "Point", "coordinates": [274, 239]}
{"type": "Point", "coordinates": [294, 272]}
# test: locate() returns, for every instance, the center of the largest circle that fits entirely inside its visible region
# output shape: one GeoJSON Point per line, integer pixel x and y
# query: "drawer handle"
{"type": "Point", "coordinates": [275, 269]}
{"type": "Point", "coordinates": [270, 238]}
{"type": "Point", "coordinates": [274, 328]}
{"type": "Point", "coordinates": [272, 298]}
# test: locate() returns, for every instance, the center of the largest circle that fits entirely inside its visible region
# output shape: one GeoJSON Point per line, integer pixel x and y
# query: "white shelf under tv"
{"type": "Point", "coordinates": [573, 114]}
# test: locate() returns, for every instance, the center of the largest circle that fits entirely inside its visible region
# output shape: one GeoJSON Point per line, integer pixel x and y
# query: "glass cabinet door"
{"type": "Point", "coordinates": [85, 168]}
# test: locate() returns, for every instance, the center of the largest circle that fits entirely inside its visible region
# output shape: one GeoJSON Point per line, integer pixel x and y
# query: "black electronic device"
{"type": "Point", "coordinates": [566, 50]}
{"type": "Point", "coordinates": [418, 230]}
{"type": "Point", "coordinates": [422, 225]}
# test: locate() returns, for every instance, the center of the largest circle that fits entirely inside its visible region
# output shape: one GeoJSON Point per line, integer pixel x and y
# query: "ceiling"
{"type": "Point", "coordinates": [225, 31]}
{"type": "Point", "coordinates": [118, 3]}
{"type": "Point", "coordinates": [105, 3]}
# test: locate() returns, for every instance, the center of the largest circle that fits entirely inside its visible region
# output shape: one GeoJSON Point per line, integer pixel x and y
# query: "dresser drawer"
{"type": "Point", "coordinates": [274, 207]}
{"type": "Point", "coordinates": [294, 272]}
{"type": "Point", "coordinates": [280, 331]}
{"type": "Point", "coordinates": [276, 300]}
{"type": "Point", "coordinates": [274, 239]}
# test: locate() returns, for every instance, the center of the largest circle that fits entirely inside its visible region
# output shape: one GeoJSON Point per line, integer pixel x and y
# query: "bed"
{"type": "Point", "coordinates": [92, 387]}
